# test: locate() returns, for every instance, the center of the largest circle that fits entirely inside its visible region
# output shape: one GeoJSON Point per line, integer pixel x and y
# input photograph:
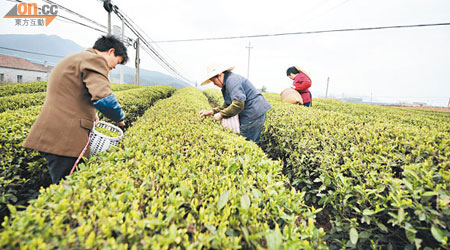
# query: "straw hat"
{"type": "Point", "coordinates": [215, 69]}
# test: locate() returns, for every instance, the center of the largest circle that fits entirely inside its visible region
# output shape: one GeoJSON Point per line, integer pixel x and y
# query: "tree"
{"type": "Point", "coordinates": [264, 89]}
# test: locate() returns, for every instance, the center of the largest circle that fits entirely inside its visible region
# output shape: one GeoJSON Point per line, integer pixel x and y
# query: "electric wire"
{"type": "Point", "coordinates": [63, 17]}
{"type": "Point", "coordinates": [151, 50]}
{"type": "Point", "coordinates": [59, 17]}
{"type": "Point", "coordinates": [75, 13]}
{"type": "Point", "coordinates": [307, 32]}
{"type": "Point", "coordinates": [82, 24]}
{"type": "Point", "coordinates": [312, 14]}
{"type": "Point", "coordinates": [326, 11]}
{"type": "Point", "coordinates": [147, 38]}
{"type": "Point", "coordinates": [36, 53]}
{"type": "Point", "coordinates": [155, 54]}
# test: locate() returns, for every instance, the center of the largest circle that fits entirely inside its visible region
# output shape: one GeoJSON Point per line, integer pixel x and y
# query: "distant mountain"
{"type": "Point", "coordinates": [52, 48]}
{"type": "Point", "coordinates": [43, 44]}
{"type": "Point", "coordinates": [147, 78]}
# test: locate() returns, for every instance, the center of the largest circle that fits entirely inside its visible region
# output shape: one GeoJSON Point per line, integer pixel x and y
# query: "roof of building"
{"type": "Point", "coordinates": [20, 63]}
{"type": "Point", "coordinates": [47, 67]}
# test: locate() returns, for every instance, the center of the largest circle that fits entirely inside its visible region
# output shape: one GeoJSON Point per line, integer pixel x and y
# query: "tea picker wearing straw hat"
{"type": "Point", "coordinates": [240, 98]}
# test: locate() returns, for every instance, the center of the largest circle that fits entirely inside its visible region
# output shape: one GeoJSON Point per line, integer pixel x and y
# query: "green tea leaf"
{"type": "Point", "coordinates": [437, 234]}
{"type": "Point", "coordinates": [274, 239]}
{"type": "Point", "coordinates": [245, 201]}
{"type": "Point", "coordinates": [429, 194]}
{"type": "Point", "coordinates": [353, 236]}
{"type": "Point", "coordinates": [411, 236]}
{"type": "Point", "coordinates": [12, 209]}
{"type": "Point", "coordinates": [223, 199]}
{"type": "Point", "coordinates": [368, 212]}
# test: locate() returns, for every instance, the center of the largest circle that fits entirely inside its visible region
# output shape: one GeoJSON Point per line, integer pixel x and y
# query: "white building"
{"type": "Point", "coordinates": [16, 70]}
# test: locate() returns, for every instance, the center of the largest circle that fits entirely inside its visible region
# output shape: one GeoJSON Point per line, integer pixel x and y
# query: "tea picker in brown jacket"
{"type": "Point", "coordinates": [77, 86]}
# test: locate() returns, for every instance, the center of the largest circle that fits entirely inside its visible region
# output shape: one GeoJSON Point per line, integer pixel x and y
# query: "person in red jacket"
{"type": "Point", "coordinates": [301, 83]}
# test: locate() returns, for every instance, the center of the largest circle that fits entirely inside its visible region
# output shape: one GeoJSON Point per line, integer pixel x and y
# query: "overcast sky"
{"type": "Point", "coordinates": [392, 65]}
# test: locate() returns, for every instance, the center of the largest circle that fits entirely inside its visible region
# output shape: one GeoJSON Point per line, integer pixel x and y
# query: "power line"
{"type": "Point", "coordinates": [75, 13]}
{"type": "Point", "coordinates": [316, 15]}
{"type": "Point", "coordinates": [71, 20]}
{"type": "Point", "coordinates": [147, 38]}
{"type": "Point", "coordinates": [131, 25]}
{"type": "Point", "coordinates": [327, 11]}
{"type": "Point", "coordinates": [151, 50]}
{"type": "Point", "coordinates": [306, 32]}
{"type": "Point", "coordinates": [127, 40]}
{"type": "Point", "coordinates": [82, 24]}
{"type": "Point", "coordinates": [24, 51]}
{"type": "Point", "coordinates": [59, 16]}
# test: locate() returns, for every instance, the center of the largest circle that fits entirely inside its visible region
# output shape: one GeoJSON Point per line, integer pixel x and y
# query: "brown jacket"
{"type": "Point", "coordinates": [63, 126]}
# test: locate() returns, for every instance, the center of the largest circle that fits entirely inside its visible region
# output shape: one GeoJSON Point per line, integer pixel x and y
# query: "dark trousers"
{"type": "Point", "coordinates": [59, 166]}
{"type": "Point", "coordinates": [308, 104]}
{"type": "Point", "coordinates": [252, 130]}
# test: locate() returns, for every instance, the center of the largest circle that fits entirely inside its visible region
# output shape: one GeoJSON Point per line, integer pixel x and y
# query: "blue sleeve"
{"type": "Point", "coordinates": [110, 107]}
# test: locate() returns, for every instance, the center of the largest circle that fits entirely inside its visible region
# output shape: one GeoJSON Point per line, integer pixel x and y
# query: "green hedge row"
{"type": "Point", "coordinates": [177, 181]}
{"type": "Point", "coordinates": [426, 119]}
{"type": "Point", "coordinates": [136, 101]}
{"type": "Point", "coordinates": [214, 96]}
{"type": "Point", "coordinates": [17, 101]}
{"type": "Point", "coordinates": [382, 178]}
{"type": "Point", "coordinates": [23, 171]}
{"type": "Point", "coordinates": [356, 161]}
{"type": "Point", "coordinates": [35, 87]}
{"type": "Point", "coordinates": [22, 88]}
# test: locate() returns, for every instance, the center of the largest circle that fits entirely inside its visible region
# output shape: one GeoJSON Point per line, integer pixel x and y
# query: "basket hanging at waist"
{"type": "Point", "coordinates": [99, 142]}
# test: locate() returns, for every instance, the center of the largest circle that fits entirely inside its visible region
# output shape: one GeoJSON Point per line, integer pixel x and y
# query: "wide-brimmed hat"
{"type": "Point", "coordinates": [215, 69]}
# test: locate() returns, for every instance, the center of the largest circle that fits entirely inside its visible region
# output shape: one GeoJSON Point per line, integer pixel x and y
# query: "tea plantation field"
{"type": "Point", "coordinates": [380, 176]}
{"type": "Point", "coordinates": [333, 176]}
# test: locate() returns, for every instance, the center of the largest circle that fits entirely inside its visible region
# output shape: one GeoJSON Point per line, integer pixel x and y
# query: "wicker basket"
{"type": "Point", "coordinates": [99, 142]}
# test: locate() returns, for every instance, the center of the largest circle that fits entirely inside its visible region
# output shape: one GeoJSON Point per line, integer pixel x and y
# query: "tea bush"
{"type": "Point", "coordinates": [367, 113]}
{"type": "Point", "coordinates": [23, 171]}
{"type": "Point", "coordinates": [381, 177]}
{"type": "Point", "coordinates": [16, 101]}
{"type": "Point", "coordinates": [214, 96]}
{"type": "Point", "coordinates": [177, 181]}
{"type": "Point", "coordinates": [22, 88]}
{"type": "Point", "coordinates": [380, 174]}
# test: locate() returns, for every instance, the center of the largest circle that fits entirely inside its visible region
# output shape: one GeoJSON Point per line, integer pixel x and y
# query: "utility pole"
{"type": "Point", "coordinates": [122, 67]}
{"type": "Point", "coordinates": [137, 61]}
{"type": "Point", "coordinates": [108, 7]}
{"type": "Point", "coordinates": [448, 105]}
{"type": "Point", "coordinates": [118, 33]}
{"type": "Point", "coordinates": [328, 82]}
{"type": "Point", "coordinates": [248, 65]}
